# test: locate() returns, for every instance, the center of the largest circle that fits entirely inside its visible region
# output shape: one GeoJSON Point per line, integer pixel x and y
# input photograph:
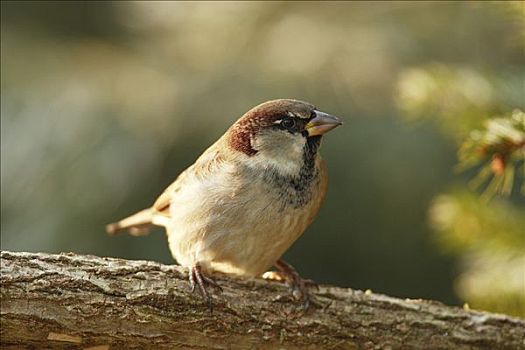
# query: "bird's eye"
{"type": "Point", "coordinates": [288, 123]}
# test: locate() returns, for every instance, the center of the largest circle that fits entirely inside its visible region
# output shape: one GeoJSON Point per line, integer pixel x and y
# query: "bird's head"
{"type": "Point", "coordinates": [279, 132]}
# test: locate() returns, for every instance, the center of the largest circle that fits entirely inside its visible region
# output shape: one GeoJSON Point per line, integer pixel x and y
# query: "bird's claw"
{"type": "Point", "coordinates": [197, 279]}
{"type": "Point", "coordinates": [300, 290]}
{"type": "Point", "coordinates": [299, 286]}
{"type": "Point", "coordinates": [311, 284]}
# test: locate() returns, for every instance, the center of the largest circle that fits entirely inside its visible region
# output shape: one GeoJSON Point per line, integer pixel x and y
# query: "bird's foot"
{"type": "Point", "coordinates": [299, 286]}
{"type": "Point", "coordinates": [197, 279]}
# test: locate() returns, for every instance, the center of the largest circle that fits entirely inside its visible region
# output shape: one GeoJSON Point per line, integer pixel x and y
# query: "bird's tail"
{"type": "Point", "coordinates": [138, 224]}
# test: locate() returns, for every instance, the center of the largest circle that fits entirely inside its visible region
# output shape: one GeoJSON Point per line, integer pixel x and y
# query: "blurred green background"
{"type": "Point", "coordinates": [104, 103]}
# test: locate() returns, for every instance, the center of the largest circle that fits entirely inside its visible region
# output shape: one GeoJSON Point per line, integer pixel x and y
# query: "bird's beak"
{"type": "Point", "coordinates": [322, 123]}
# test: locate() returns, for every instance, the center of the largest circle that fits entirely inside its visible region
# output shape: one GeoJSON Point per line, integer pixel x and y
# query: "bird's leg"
{"type": "Point", "coordinates": [198, 279]}
{"type": "Point", "coordinates": [299, 285]}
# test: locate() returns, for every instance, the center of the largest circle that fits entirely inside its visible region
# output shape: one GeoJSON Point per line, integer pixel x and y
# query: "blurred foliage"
{"type": "Point", "coordinates": [501, 150]}
{"type": "Point", "coordinates": [474, 224]}
{"type": "Point", "coordinates": [458, 99]}
{"type": "Point", "coordinates": [104, 103]}
{"type": "Point", "coordinates": [482, 112]}
{"type": "Point", "coordinates": [490, 237]}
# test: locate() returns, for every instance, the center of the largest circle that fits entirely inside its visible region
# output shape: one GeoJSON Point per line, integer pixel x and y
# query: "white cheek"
{"type": "Point", "coordinates": [280, 150]}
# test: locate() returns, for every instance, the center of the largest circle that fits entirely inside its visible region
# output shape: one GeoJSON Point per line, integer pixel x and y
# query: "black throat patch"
{"type": "Point", "coordinates": [296, 190]}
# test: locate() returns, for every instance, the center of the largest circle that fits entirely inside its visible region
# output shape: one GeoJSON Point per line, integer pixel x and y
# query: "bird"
{"type": "Point", "coordinates": [246, 199]}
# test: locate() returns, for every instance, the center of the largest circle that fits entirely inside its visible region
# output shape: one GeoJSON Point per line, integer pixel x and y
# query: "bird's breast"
{"type": "Point", "coordinates": [242, 223]}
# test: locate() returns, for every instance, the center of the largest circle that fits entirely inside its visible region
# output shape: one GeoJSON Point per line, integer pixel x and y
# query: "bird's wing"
{"type": "Point", "coordinates": [140, 223]}
{"type": "Point", "coordinates": [205, 165]}
{"type": "Point", "coordinates": [162, 203]}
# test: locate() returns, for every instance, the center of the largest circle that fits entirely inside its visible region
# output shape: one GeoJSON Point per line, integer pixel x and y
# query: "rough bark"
{"type": "Point", "coordinates": [86, 302]}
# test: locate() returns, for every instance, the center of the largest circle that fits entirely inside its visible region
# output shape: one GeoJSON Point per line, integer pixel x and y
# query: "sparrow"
{"type": "Point", "coordinates": [246, 199]}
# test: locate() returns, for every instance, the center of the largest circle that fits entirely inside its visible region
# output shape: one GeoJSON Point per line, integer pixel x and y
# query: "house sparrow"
{"type": "Point", "coordinates": [247, 198]}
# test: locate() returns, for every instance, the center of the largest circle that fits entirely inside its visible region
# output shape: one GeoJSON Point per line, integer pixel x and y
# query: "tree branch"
{"type": "Point", "coordinates": [73, 301]}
